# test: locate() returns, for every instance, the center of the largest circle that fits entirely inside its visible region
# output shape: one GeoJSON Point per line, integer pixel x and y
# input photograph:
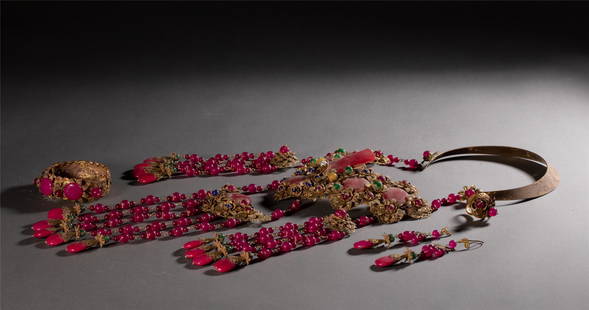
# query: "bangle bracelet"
{"type": "Point", "coordinates": [78, 180]}
{"type": "Point", "coordinates": [480, 202]}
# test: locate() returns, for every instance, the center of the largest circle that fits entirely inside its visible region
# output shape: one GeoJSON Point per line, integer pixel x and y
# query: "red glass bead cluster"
{"type": "Point", "coordinates": [408, 238]}
{"type": "Point", "coordinates": [428, 252]}
{"type": "Point", "coordinates": [150, 218]}
{"type": "Point", "coordinates": [190, 165]}
{"type": "Point", "coordinates": [238, 249]}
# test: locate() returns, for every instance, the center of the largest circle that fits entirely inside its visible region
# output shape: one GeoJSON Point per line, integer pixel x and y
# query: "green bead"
{"type": "Point", "coordinates": [337, 156]}
{"type": "Point", "coordinates": [349, 169]}
{"type": "Point", "coordinates": [337, 186]}
{"type": "Point", "coordinates": [340, 150]}
{"type": "Point", "coordinates": [413, 255]}
{"type": "Point", "coordinates": [378, 184]}
{"type": "Point", "coordinates": [313, 160]}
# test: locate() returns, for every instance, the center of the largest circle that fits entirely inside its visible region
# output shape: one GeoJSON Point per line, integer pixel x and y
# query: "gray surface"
{"type": "Point", "coordinates": [535, 253]}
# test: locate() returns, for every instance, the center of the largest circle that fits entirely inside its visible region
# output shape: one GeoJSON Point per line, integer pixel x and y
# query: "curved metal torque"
{"type": "Point", "coordinates": [544, 185]}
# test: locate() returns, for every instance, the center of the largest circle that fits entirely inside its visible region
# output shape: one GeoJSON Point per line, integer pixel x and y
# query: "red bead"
{"type": "Point", "coordinates": [54, 240]}
{"type": "Point", "coordinates": [96, 192]}
{"type": "Point", "coordinates": [202, 260]}
{"type": "Point", "coordinates": [341, 213]}
{"type": "Point", "coordinates": [479, 204]}
{"type": "Point", "coordinates": [469, 192]}
{"type": "Point", "coordinates": [335, 235]}
{"type": "Point", "coordinates": [40, 225]}
{"type": "Point", "coordinates": [492, 212]}
{"type": "Point", "coordinates": [251, 188]}
{"type": "Point", "coordinates": [46, 186]}
{"type": "Point", "coordinates": [286, 247]}
{"type": "Point", "coordinates": [224, 265]}
{"type": "Point", "coordinates": [276, 214]}
{"type": "Point", "coordinates": [147, 178]}
{"type": "Point", "coordinates": [192, 244]}
{"type": "Point", "coordinates": [436, 204]}
{"type": "Point", "coordinates": [42, 233]}
{"type": "Point", "coordinates": [55, 214]}
{"type": "Point", "coordinates": [426, 155]}
{"type": "Point", "coordinates": [230, 223]}
{"type": "Point", "coordinates": [384, 261]}
{"type": "Point", "coordinates": [214, 171]}
{"type": "Point", "coordinates": [73, 191]}
{"type": "Point", "coordinates": [265, 253]}
{"type": "Point", "coordinates": [139, 169]}
{"type": "Point", "coordinates": [363, 244]}
{"type": "Point", "coordinates": [194, 253]}
{"type": "Point", "coordinates": [284, 149]}
{"type": "Point", "coordinates": [452, 244]}
{"type": "Point", "coordinates": [76, 247]}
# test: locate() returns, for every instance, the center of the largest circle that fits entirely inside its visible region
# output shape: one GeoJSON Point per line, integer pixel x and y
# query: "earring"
{"type": "Point", "coordinates": [428, 251]}
{"type": "Point", "coordinates": [408, 238]}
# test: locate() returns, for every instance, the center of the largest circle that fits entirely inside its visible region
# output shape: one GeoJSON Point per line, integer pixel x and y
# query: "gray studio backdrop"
{"type": "Point", "coordinates": [121, 108]}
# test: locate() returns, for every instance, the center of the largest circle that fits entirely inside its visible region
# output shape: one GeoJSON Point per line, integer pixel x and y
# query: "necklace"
{"type": "Point", "coordinates": [341, 177]}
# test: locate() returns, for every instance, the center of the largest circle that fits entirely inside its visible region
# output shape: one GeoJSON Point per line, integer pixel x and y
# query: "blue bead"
{"type": "Point", "coordinates": [215, 192]}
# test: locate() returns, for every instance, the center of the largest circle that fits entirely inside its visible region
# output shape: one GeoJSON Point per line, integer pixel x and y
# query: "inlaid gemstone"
{"type": "Point", "coordinates": [358, 184]}
{"type": "Point", "coordinates": [46, 186]}
{"type": "Point", "coordinates": [73, 191]}
{"type": "Point", "coordinates": [395, 194]}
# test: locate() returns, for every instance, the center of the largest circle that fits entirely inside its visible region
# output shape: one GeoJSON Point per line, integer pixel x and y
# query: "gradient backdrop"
{"type": "Point", "coordinates": [119, 82]}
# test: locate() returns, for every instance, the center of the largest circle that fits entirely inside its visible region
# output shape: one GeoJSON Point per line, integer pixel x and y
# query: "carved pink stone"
{"type": "Point", "coordinates": [358, 184]}
{"type": "Point", "coordinates": [396, 194]}
{"type": "Point", "coordinates": [241, 197]}
{"type": "Point", "coordinates": [354, 159]}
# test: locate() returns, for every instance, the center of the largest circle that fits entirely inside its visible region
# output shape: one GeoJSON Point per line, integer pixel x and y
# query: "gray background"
{"type": "Point", "coordinates": [116, 85]}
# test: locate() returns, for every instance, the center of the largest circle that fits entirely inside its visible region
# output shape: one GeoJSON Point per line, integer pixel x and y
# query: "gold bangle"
{"type": "Point", "coordinates": [77, 180]}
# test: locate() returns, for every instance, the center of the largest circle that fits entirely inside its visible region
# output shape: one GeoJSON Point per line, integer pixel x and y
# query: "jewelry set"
{"type": "Point", "coordinates": [345, 179]}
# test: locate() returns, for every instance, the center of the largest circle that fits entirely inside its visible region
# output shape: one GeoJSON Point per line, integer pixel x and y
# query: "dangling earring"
{"type": "Point", "coordinates": [408, 238]}
{"type": "Point", "coordinates": [428, 251]}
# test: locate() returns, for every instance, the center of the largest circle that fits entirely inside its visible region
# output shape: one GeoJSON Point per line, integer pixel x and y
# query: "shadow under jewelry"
{"type": "Point", "coordinates": [475, 244]}
{"type": "Point", "coordinates": [354, 251]}
{"type": "Point", "coordinates": [468, 223]}
{"type": "Point", "coordinates": [27, 199]}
